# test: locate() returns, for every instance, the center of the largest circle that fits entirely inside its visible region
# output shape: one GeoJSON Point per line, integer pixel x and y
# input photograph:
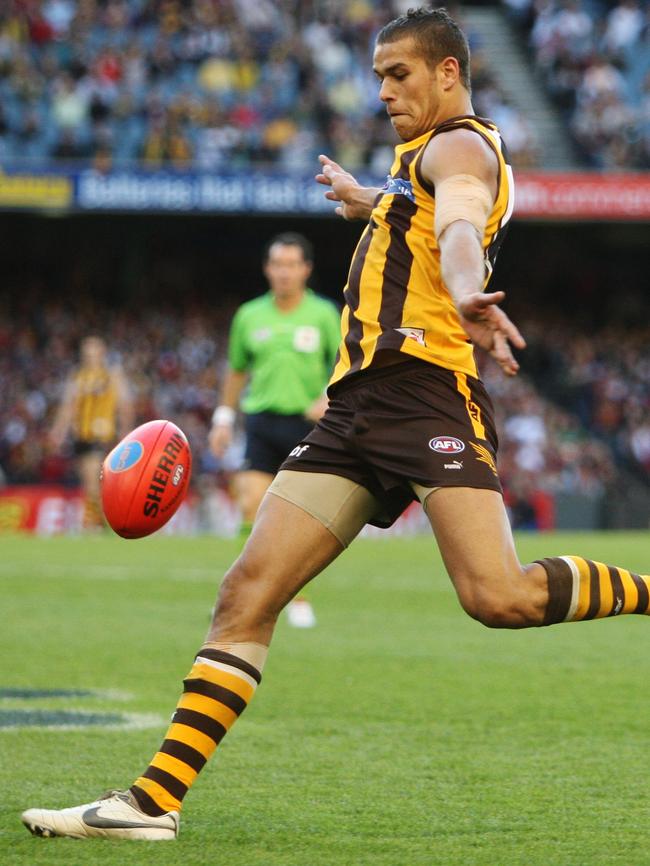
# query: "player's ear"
{"type": "Point", "coordinates": [448, 71]}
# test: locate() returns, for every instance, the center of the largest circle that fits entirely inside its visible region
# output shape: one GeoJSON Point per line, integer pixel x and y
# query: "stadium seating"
{"type": "Point", "coordinates": [206, 85]}
{"type": "Point", "coordinates": [595, 60]}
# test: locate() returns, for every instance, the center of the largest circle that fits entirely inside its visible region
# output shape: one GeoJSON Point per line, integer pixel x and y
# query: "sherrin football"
{"type": "Point", "coordinates": [145, 478]}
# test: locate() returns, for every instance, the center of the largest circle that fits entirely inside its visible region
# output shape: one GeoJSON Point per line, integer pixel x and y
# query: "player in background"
{"type": "Point", "coordinates": [408, 417]}
{"type": "Point", "coordinates": [281, 353]}
{"type": "Point", "coordinates": [96, 408]}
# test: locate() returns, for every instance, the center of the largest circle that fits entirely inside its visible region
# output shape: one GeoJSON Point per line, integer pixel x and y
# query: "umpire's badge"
{"type": "Point", "coordinates": [306, 339]}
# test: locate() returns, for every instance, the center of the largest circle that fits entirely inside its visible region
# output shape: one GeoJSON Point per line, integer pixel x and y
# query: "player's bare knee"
{"type": "Point", "coordinates": [497, 614]}
{"type": "Point", "coordinates": [499, 608]}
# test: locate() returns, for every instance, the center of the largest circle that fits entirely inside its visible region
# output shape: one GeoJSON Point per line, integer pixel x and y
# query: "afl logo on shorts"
{"type": "Point", "coordinates": [446, 445]}
{"type": "Point", "coordinates": [126, 456]}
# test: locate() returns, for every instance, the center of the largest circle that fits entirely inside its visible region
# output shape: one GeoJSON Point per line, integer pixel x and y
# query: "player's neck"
{"type": "Point", "coordinates": [459, 106]}
{"type": "Point", "coordinates": [289, 302]}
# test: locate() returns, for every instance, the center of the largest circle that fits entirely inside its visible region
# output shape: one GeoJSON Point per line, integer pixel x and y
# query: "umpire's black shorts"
{"type": "Point", "coordinates": [270, 437]}
{"type": "Point", "coordinates": [409, 422]}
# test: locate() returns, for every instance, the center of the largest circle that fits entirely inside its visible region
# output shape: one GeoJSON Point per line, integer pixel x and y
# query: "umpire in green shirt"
{"type": "Point", "coordinates": [281, 350]}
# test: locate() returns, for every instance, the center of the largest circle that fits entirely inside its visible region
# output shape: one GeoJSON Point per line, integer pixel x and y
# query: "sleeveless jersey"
{"type": "Point", "coordinates": [395, 296]}
{"type": "Point", "coordinates": [95, 405]}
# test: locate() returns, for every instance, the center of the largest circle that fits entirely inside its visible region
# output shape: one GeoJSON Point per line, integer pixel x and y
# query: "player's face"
{"type": "Point", "coordinates": [286, 270]}
{"type": "Point", "coordinates": [93, 352]}
{"type": "Point", "coordinates": [410, 88]}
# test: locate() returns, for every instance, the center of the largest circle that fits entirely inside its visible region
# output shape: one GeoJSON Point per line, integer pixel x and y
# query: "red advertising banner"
{"type": "Point", "coordinates": [46, 510]}
{"type": "Point", "coordinates": [582, 196]}
{"type": "Point", "coordinates": [53, 510]}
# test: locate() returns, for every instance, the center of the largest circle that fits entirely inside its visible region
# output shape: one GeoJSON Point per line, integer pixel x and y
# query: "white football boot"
{"type": "Point", "coordinates": [114, 816]}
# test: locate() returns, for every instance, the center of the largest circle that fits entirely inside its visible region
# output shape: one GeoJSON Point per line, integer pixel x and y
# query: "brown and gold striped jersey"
{"type": "Point", "coordinates": [395, 296]}
{"type": "Point", "coordinates": [95, 405]}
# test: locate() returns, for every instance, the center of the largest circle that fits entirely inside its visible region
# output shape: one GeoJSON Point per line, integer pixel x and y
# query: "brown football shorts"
{"type": "Point", "coordinates": [408, 423]}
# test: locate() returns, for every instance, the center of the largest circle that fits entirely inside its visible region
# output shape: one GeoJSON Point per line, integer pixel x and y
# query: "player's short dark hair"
{"type": "Point", "coordinates": [435, 33]}
{"type": "Point", "coordinates": [291, 239]}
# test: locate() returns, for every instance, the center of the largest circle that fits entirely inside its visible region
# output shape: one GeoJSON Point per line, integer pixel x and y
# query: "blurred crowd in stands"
{"type": "Point", "coordinates": [173, 365]}
{"type": "Point", "coordinates": [208, 84]}
{"type": "Point", "coordinates": [594, 56]}
{"type": "Point", "coordinates": [603, 380]}
{"type": "Point", "coordinates": [568, 425]}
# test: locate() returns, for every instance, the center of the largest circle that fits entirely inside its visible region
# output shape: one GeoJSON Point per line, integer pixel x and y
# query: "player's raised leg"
{"type": "Point", "coordinates": [288, 546]}
{"type": "Point", "coordinates": [475, 540]}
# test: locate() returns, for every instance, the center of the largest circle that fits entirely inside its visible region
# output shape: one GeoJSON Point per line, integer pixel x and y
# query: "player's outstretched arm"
{"type": "Point", "coordinates": [463, 170]}
{"type": "Point", "coordinates": [489, 327]}
{"type": "Point", "coordinates": [356, 201]}
{"type": "Point", "coordinates": [64, 416]}
{"type": "Point", "coordinates": [223, 418]}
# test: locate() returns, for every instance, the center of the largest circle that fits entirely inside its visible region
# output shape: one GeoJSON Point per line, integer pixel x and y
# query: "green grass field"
{"type": "Point", "coordinates": [397, 733]}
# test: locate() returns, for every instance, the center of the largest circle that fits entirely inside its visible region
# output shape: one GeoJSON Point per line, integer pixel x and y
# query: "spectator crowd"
{"type": "Point", "coordinates": [207, 84]}
{"type": "Point", "coordinates": [603, 381]}
{"type": "Point", "coordinates": [215, 84]}
{"type": "Point", "coordinates": [174, 362]}
{"type": "Point", "coordinates": [173, 365]}
{"type": "Point", "coordinates": [594, 57]}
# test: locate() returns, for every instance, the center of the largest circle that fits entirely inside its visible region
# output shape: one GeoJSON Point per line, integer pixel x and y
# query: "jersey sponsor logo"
{"type": "Point", "coordinates": [306, 338]}
{"type": "Point", "coordinates": [126, 456]}
{"type": "Point", "coordinates": [262, 335]}
{"type": "Point", "coordinates": [298, 451]}
{"type": "Point", "coordinates": [446, 445]}
{"type": "Point", "coordinates": [416, 334]}
{"type": "Point", "coordinates": [457, 464]}
{"type": "Point", "coordinates": [397, 186]}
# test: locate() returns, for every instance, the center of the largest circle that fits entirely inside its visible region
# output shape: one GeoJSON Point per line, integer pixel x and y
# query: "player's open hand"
{"type": "Point", "coordinates": [489, 327]}
{"type": "Point", "coordinates": [220, 439]}
{"type": "Point", "coordinates": [317, 409]}
{"type": "Point", "coordinates": [344, 189]}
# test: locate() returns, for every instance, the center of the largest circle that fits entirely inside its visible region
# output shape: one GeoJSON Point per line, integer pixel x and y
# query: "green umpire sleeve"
{"type": "Point", "coordinates": [238, 354]}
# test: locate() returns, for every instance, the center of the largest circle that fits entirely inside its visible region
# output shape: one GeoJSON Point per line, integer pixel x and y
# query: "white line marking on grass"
{"type": "Point", "coordinates": [127, 722]}
{"type": "Point", "coordinates": [22, 694]}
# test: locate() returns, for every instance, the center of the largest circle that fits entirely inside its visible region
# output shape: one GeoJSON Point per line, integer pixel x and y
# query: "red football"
{"type": "Point", "coordinates": [145, 478]}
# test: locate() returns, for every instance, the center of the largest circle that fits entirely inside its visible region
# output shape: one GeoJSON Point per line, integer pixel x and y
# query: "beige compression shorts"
{"type": "Point", "coordinates": [341, 505]}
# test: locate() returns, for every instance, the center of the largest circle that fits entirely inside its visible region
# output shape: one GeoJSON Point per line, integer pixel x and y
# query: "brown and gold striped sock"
{"type": "Point", "coordinates": [216, 691]}
{"type": "Point", "coordinates": [580, 589]}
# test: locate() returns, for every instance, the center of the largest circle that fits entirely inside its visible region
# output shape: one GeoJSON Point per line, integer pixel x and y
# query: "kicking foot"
{"type": "Point", "coordinates": [114, 816]}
